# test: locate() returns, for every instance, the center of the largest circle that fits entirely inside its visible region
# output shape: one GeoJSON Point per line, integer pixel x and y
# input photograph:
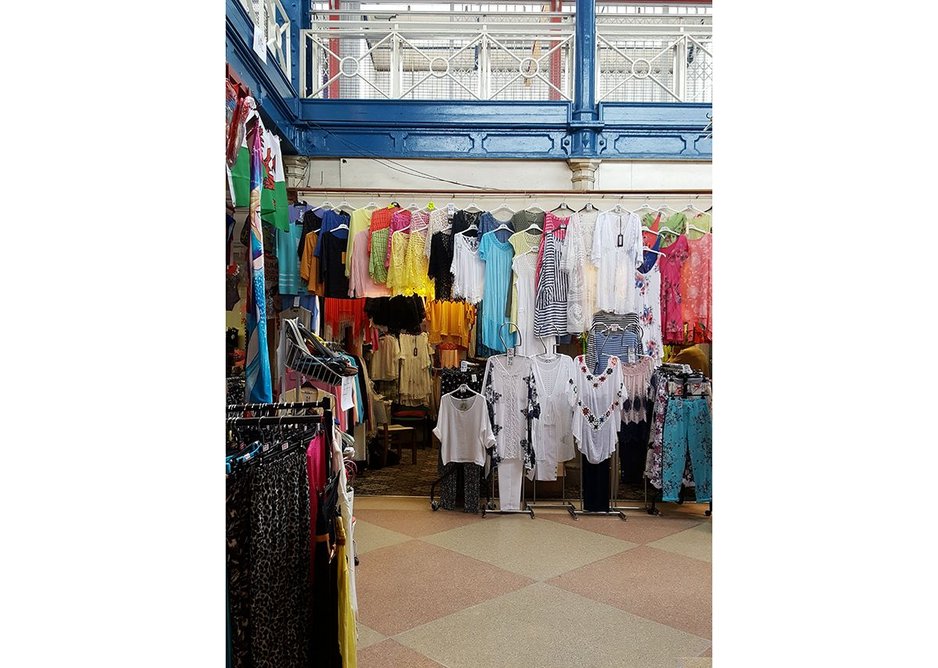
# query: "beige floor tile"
{"type": "Point", "coordinates": [695, 543]}
{"type": "Point", "coordinates": [639, 529]}
{"type": "Point", "coordinates": [695, 662]}
{"type": "Point", "coordinates": [406, 585]}
{"type": "Point", "coordinates": [368, 636]}
{"type": "Point", "coordinates": [370, 537]}
{"type": "Point", "coordinates": [392, 502]}
{"type": "Point", "coordinates": [417, 523]}
{"type": "Point", "coordinates": [538, 549]}
{"type": "Point", "coordinates": [668, 588]}
{"type": "Point", "coordinates": [547, 627]}
{"type": "Point", "coordinates": [389, 654]}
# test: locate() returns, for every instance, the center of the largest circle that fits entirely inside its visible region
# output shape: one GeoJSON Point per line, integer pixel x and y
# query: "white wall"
{"type": "Point", "coordinates": [503, 174]}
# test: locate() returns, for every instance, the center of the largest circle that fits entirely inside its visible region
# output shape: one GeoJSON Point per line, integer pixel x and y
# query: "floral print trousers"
{"type": "Point", "coordinates": [687, 428]}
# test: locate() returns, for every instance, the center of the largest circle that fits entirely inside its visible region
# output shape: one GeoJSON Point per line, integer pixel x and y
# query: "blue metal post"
{"type": "Point", "coordinates": [585, 124]}
{"type": "Point", "coordinates": [300, 19]}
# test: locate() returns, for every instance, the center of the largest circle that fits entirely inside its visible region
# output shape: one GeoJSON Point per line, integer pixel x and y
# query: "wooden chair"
{"type": "Point", "coordinates": [395, 434]}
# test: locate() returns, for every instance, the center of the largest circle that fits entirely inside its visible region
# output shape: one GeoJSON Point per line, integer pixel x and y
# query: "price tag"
{"type": "Point", "coordinates": [620, 240]}
{"type": "Point", "coordinates": [632, 356]}
{"type": "Point", "coordinates": [451, 209]}
{"type": "Point", "coordinates": [284, 446]}
{"type": "Point", "coordinates": [463, 366]}
{"type": "Point", "coordinates": [475, 379]}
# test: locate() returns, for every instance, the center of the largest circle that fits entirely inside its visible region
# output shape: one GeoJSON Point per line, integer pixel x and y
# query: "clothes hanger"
{"type": "Point", "coordinates": [563, 205]}
{"type": "Point", "coordinates": [652, 250]}
{"type": "Point", "coordinates": [589, 207]}
{"type": "Point", "coordinates": [473, 208]}
{"type": "Point", "coordinates": [503, 226]}
{"type": "Point", "coordinates": [503, 205]}
{"type": "Point", "coordinates": [327, 205]}
{"type": "Point", "coordinates": [547, 354]}
{"type": "Point", "coordinates": [371, 205]}
{"type": "Point", "coordinates": [345, 206]}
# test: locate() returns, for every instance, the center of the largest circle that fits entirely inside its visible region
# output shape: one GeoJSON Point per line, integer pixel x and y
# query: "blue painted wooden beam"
{"type": "Point", "coordinates": [274, 93]}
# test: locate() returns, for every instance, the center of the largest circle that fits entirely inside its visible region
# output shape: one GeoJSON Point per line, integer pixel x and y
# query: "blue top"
{"type": "Point", "coordinates": [330, 221]}
{"type": "Point", "coordinates": [287, 257]}
{"type": "Point", "coordinates": [614, 343]}
{"type": "Point", "coordinates": [497, 256]}
{"type": "Point", "coordinates": [489, 222]}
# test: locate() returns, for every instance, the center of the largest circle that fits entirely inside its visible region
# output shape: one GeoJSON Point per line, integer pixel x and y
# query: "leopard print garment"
{"type": "Point", "coordinates": [238, 558]}
{"type": "Point", "coordinates": [280, 551]}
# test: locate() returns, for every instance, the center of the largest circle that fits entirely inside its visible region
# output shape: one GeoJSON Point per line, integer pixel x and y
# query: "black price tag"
{"type": "Point", "coordinates": [415, 351]}
{"type": "Point", "coordinates": [620, 240]}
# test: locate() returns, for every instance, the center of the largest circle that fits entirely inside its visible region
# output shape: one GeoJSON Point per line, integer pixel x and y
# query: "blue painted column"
{"type": "Point", "coordinates": [300, 19]}
{"type": "Point", "coordinates": [585, 124]}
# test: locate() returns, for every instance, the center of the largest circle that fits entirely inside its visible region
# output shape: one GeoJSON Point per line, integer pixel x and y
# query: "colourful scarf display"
{"type": "Point", "coordinates": [258, 384]}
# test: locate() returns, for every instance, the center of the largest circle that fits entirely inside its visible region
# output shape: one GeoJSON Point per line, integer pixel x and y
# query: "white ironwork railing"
{"type": "Point", "coordinates": [273, 18]}
{"type": "Point", "coordinates": [435, 57]}
{"type": "Point", "coordinates": [654, 62]}
{"type": "Point", "coordinates": [504, 55]}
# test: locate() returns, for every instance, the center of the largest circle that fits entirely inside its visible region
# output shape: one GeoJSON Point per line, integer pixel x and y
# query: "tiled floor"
{"type": "Point", "coordinates": [455, 590]}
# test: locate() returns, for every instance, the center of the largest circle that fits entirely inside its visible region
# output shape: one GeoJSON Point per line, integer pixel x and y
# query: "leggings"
{"type": "Point", "coordinates": [687, 428]}
{"type": "Point", "coordinates": [449, 487]}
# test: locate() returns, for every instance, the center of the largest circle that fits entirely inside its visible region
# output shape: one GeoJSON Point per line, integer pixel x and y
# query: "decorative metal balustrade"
{"type": "Point", "coordinates": [654, 62]}
{"type": "Point", "coordinates": [273, 18]}
{"type": "Point", "coordinates": [432, 57]}
{"type": "Point", "coordinates": [502, 56]}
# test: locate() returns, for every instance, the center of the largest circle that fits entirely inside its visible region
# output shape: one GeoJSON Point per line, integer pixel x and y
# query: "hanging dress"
{"type": "Point", "coordinates": [648, 307]}
{"type": "Point", "coordinates": [550, 306]}
{"type": "Point", "coordinates": [581, 272]}
{"type": "Point", "coordinates": [671, 263]}
{"type": "Point", "coordinates": [552, 432]}
{"type": "Point", "coordinates": [468, 269]}
{"type": "Point", "coordinates": [378, 233]}
{"type": "Point", "coordinates": [598, 409]}
{"type": "Point", "coordinates": [497, 256]}
{"type": "Point", "coordinates": [695, 289]}
{"type": "Point", "coordinates": [523, 271]}
{"type": "Point", "coordinates": [416, 277]}
{"type": "Point", "coordinates": [617, 251]}
{"type": "Point", "coordinates": [397, 250]}
{"type": "Point", "coordinates": [415, 369]}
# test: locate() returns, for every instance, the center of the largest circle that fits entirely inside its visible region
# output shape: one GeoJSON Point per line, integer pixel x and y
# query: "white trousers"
{"type": "Point", "coordinates": [510, 473]}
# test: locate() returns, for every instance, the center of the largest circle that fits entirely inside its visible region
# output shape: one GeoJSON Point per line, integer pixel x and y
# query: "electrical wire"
{"type": "Point", "coordinates": [404, 169]}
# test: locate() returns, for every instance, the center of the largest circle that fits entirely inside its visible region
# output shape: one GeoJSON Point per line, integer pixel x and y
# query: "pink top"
{"type": "Point", "coordinates": [552, 225]}
{"type": "Point", "coordinates": [695, 288]}
{"type": "Point", "coordinates": [360, 283]}
{"type": "Point", "coordinates": [670, 264]}
{"type": "Point", "coordinates": [399, 221]}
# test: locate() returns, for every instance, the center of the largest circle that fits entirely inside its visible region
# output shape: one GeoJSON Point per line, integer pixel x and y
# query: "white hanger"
{"type": "Point", "coordinates": [695, 228]}
{"type": "Point", "coordinates": [326, 204]}
{"type": "Point", "coordinates": [503, 226]}
{"type": "Point", "coordinates": [471, 227]}
{"type": "Point", "coordinates": [345, 205]}
{"type": "Point", "coordinates": [652, 250]}
{"type": "Point", "coordinates": [501, 206]}
{"type": "Point", "coordinates": [665, 207]}
{"type": "Point", "coordinates": [343, 226]}
{"type": "Point", "coordinates": [413, 207]}
{"type": "Point", "coordinates": [693, 208]}
{"type": "Point", "coordinates": [533, 226]}
{"type": "Point", "coordinates": [472, 205]}
{"type": "Point", "coordinates": [371, 205]}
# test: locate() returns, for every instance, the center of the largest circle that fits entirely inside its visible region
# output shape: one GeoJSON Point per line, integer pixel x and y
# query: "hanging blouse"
{"type": "Point", "coordinates": [550, 306]}
{"type": "Point", "coordinates": [653, 222]}
{"type": "Point", "coordinates": [441, 261]}
{"type": "Point", "coordinates": [416, 278]}
{"type": "Point", "coordinates": [622, 344]}
{"type": "Point", "coordinates": [468, 269]}
{"type": "Point", "coordinates": [330, 220]}
{"type": "Point", "coordinates": [648, 307]}
{"type": "Point", "coordinates": [523, 219]}
{"type": "Point", "coordinates": [438, 222]}
{"type": "Point", "coordinates": [450, 322]}
{"type": "Point", "coordinates": [497, 256]}
{"type": "Point", "coordinates": [359, 221]}
{"type": "Point", "coordinates": [312, 221]}
{"type": "Point", "coordinates": [309, 265]}
{"type": "Point", "coordinates": [463, 429]}
{"type": "Point", "coordinates": [617, 251]}
{"type": "Point", "coordinates": [488, 222]}
{"type": "Point", "coordinates": [463, 219]}
{"type": "Point", "coordinates": [523, 306]}
{"type": "Point", "coordinates": [361, 284]}
{"type": "Point", "coordinates": [695, 289]}
{"type": "Point", "coordinates": [636, 397]}
{"type": "Point", "coordinates": [332, 263]}
{"type": "Point", "coordinates": [552, 432]}
{"type": "Point", "coordinates": [384, 360]}
{"type": "Point", "coordinates": [671, 263]}
{"type": "Point", "coordinates": [552, 225]}
{"type": "Point", "coordinates": [598, 409]}
{"type": "Point", "coordinates": [522, 242]}
{"type": "Point", "coordinates": [624, 320]}
{"type": "Point", "coordinates": [397, 281]}
{"type": "Point", "coordinates": [510, 390]}
{"type": "Point", "coordinates": [581, 272]}
{"type": "Point", "coordinates": [400, 220]}
{"type": "Point", "coordinates": [415, 369]}
{"type": "Point", "coordinates": [378, 233]}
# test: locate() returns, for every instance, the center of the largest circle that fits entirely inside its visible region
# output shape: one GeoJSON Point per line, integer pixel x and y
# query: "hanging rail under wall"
{"type": "Point", "coordinates": [390, 192]}
{"type": "Point", "coordinates": [286, 406]}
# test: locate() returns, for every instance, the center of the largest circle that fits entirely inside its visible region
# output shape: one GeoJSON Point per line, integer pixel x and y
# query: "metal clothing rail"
{"type": "Point", "coordinates": [650, 192]}
{"type": "Point", "coordinates": [234, 408]}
